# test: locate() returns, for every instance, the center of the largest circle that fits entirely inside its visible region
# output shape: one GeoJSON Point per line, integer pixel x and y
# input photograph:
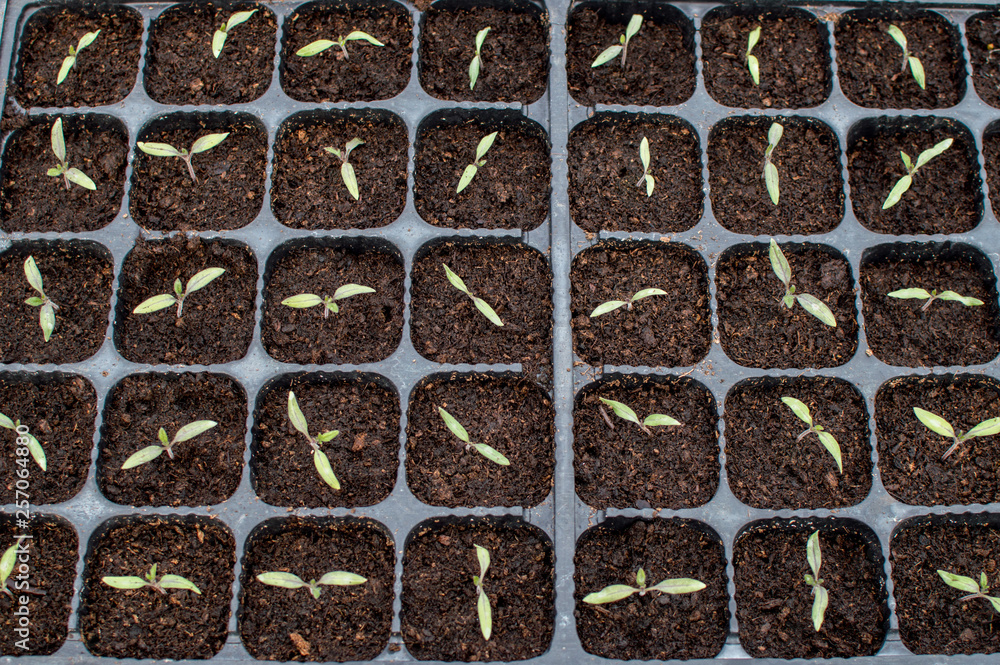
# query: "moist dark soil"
{"type": "Point", "coordinates": [869, 62]}
{"type": "Point", "coordinates": [230, 187]}
{"type": "Point", "coordinates": [511, 191]}
{"type": "Point", "coordinates": [774, 604]}
{"type": "Point", "coordinates": [33, 201]}
{"type": "Point", "coordinates": [217, 322]}
{"type": "Point", "coordinates": [143, 623]}
{"type": "Point", "coordinates": [674, 330]}
{"type": "Point", "coordinates": [811, 190]}
{"type": "Point", "coordinates": [368, 327]}
{"type": "Point", "coordinates": [345, 622]}
{"type": "Point", "coordinates": [793, 55]}
{"type": "Point", "coordinates": [983, 33]}
{"type": "Point", "coordinates": [932, 616]}
{"type": "Point", "coordinates": [364, 455]}
{"type": "Point", "coordinates": [604, 169]}
{"type": "Point", "coordinates": [768, 468]}
{"type": "Point", "coordinates": [368, 73]}
{"type": "Point", "coordinates": [653, 626]}
{"type": "Point", "coordinates": [104, 72]}
{"type": "Point", "coordinates": [77, 277]}
{"type": "Point", "coordinates": [514, 58]}
{"type": "Point", "coordinates": [510, 414]}
{"type": "Point", "coordinates": [59, 410]}
{"type": "Point", "coordinates": [755, 327]}
{"type": "Point", "coordinates": [307, 191]}
{"type": "Point", "coordinates": [182, 69]}
{"type": "Point", "coordinates": [946, 194]}
{"type": "Point", "coordinates": [991, 156]}
{"type": "Point", "coordinates": [659, 66]}
{"type": "Point", "coordinates": [204, 470]}
{"type": "Point", "coordinates": [439, 620]}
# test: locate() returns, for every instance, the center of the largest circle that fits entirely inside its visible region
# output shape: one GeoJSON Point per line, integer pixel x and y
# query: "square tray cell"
{"type": "Point", "coordinates": [982, 32]}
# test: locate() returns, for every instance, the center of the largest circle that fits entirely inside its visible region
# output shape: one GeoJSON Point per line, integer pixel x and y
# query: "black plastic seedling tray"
{"type": "Point", "coordinates": [562, 515]}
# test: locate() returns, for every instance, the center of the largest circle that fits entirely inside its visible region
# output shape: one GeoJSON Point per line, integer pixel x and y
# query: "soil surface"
{"type": "Point", "coordinates": [307, 190]}
{"type": "Point", "coordinates": [32, 201]}
{"type": "Point", "coordinates": [345, 622]}
{"type": "Point", "coordinates": [774, 604]}
{"type": "Point", "coordinates": [508, 413]}
{"type": "Point", "coordinates": [811, 189]}
{"type": "Point", "coordinates": [143, 623]}
{"type": "Point", "coordinates": [77, 277]}
{"type": "Point", "coordinates": [653, 626]}
{"type": "Point", "coordinates": [755, 327]}
{"type": "Point", "coordinates": [438, 618]}
{"type": "Point", "coordinates": [991, 156]}
{"type": "Point", "coordinates": [768, 468]}
{"type": "Point", "coordinates": [674, 330]}
{"type": "Point", "coordinates": [604, 169]}
{"type": "Point", "coordinates": [217, 322]}
{"type": "Point", "coordinates": [205, 470]}
{"type": "Point", "coordinates": [363, 408]}
{"type": "Point", "coordinates": [983, 33]}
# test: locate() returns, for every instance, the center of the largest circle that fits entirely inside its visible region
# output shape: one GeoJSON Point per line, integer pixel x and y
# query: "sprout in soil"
{"type": "Point", "coordinates": [47, 313]}
{"type": "Point", "coordinates": [483, 608]}
{"type": "Point", "coordinates": [63, 169]}
{"type": "Point", "coordinates": [7, 561]}
{"type": "Point", "coordinates": [164, 300]}
{"type": "Point", "coordinates": [330, 306]}
{"type": "Point", "coordinates": [974, 589]}
{"type": "Point", "coordinates": [646, 177]}
{"type": "Point", "coordinates": [186, 433]}
{"type": "Point", "coordinates": [616, 592]}
{"type": "Point", "coordinates": [7, 567]}
{"type": "Point", "coordinates": [826, 439]}
{"type": "Point", "coordinates": [321, 45]}
{"type": "Point", "coordinates": [346, 170]}
{"type": "Point", "coordinates": [752, 64]}
{"type": "Point", "coordinates": [32, 444]}
{"type": "Point", "coordinates": [204, 143]}
{"type": "Point", "coordinates": [219, 38]}
{"type": "Point", "coordinates": [320, 459]}
{"type": "Point", "coordinates": [70, 60]}
{"type": "Point", "coordinates": [486, 451]}
{"type": "Point", "coordinates": [612, 305]}
{"type": "Point", "coordinates": [470, 171]}
{"type": "Point", "coordinates": [820, 596]}
{"type": "Point", "coordinates": [931, 296]}
{"type": "Point", "coordinates": [939, 425]}
{"type": "Point", "coordinates": [652, 420]}
{"type": "Point", "coordinates": [916, 68]}
{"type": "Point", "coordinates": [480, 304]}
{"type": "Point", "coordinates": [290, 581]}
{"type": "Point", "coordinates": [812, 304]}
{"type": "Point", "coordinates": [612, 52]}
{"type": "Point", "coordinates": [770, 170]}
{"type": "Point", "coordinates": [477, 60]}
{"type": "Point", "coordinates": [904, 183]}
{"type": "Point", "coordinates": [161, 584]}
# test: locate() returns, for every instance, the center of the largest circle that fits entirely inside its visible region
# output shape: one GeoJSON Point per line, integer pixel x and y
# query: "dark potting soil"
{"type": "Point", "coordinates": [910, 454]}
{"type": "Point", "coordinates": [946, 194]}
{"type": "Point", "coordinates": [104, 72]}
{"type": "Point", "coordinates": [768, 468]}
{"type": "Point", "coordinates": [439, 619]}
{"type": "Point", "coordinates": [811, 190]}
{"type": "Point", "coordinates": [659, 65]}
{"type": "Point", "coordinates": [230, 187]}
{"type": "Point", "coordinates": [983, 33]}
{"type": "Point", "coordinates": [755, 327]}
{"type": "Point", "coordinates": [368, 327]}
{"type": "Point", "coordinates": [368, 73]}
{"type": "Point", "coordinates": [364, 409]}
{"type": "Point", "coordinates": [143, 623]}
{"type": "Point", "coordinates": [933, 618]}
{"type": "Point", "coordinates": [604, 169]}
{"type": "Point", "coordinates": [345, 622]}
{"type": "Point", "coordinates": [181, 67]}
{"type": "Point", "coordinates": [216, 323]}
{"type": "Point", "coordinates": [653, 626]}
{"type": "Point", "coordinates": [869, 61]}
{"type": "Point", "coordinates": [774, 604]}
{"type": "Point", "coordinates": [205, 470]}
{"type": "Point", "coordinates": [59, 410]}
{"type": "Point", "coordinates": [32, 201]}
{"type": "Point", "coordinates": [77, 277]}
{"type": "Point", "coordinates": [674, 330]}
{"type": "Point", "coordinates": [307, 190]}
{"type": "Point", "coordinates": [991, 157]}
{"type": "Point", "coordinates": [793, 55]}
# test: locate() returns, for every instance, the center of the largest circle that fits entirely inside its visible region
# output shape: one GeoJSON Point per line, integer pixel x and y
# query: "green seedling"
{"type": "Point", "coordinates": [470, 171]}
{"type": "Point", "coordinates": [186, 433]}
{"type": "Point", "coordinates": [812, 304]}
{"type": "Point", "coordinates": [752, 63]}
{"type": "Point", "coordinates": [483, 608]}
{"type": "Point", "coordinates": [970, 586]}
{"type": "Point", "coordinates": [320, 460]}
{"type": "Point", "coordinates": [290, 581]}
{"type": "Point", "coordinates": [652, 420]}
{"type": "Point", "coordinates": [477, 60]}
{"type": "Point", "coordinates": [219, 38]}
{"type": "Point", "coordinates": [826, 439]}
{"type": "Point", "coordinates": [47, 313]}
{"type": "Point", "coordinates": [164, 300]}
{"type": "Point", "coordinates": [486, 451]}
{"type": "Point", "coordinates": [931, 296]}
{"type": "Point", "coordinates": [321, 45]}
{"type": "Point", "coordinates": [330, 306]}
{"type": "Point", "coordinates": [616, 592]}
{"type": "Point", "coordinates": [939, 425]}
{"type": "Point", "coordinates": [346, 170]}
{"type": "Point", "coordinates": [204, 143]}
{"type": "Point", "coordinates": [621, 48]}
{"type": "Point", "coordinates": [161, 584]}
{"type": "Point", "coordinates": [63, 169]}
{"type": "Point", "coordinates": [7, 583]}
{"type": "Point", "coordinates": [904, 183]}
{"type": "Point", "coordinates": [820, 596]}
{"type": "Point", "coordinates": [646, 177]}
{"type": "Point", "coordinates": [916, 68]}
{"type": "Point", "coordinates": [34, 447]}
{"type": "Point", "coordinates": [770, 170]}
{"type": "Point", "coordinates": [480, 304]}
{"type": "Point", "coordinates": [612, 305]}
{"type": "Point", "coordinates": [70, 60]}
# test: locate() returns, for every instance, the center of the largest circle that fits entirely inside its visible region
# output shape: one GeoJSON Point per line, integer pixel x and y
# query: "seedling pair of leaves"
{"type": "Point", "coordinates": [483, 608]}
{"type": "Point", "coordinates": [480, 304]}
{"type": "Point", "coordinates": [320, 460]}
{"type": "Point", "coordinates": [330, 306]}
{"type": "Point", "coordinates": [932, 295]}
{"type": "Point", "coordinates": [202, 144]}
{"type": "Point", "coordinates": [812, 304]}
{"type": "Point", "coordinates": [625, 412]}
{"type": "Point", "coordinates": [645, 158]}
{"type": "Point", "coordinates": [477, 60]}
{"type": "Point", "coordinates": [612, 305]}
{"type": "Point", "coordinates": [47, 313]}
{"type": "Point", "coordinates": [219, 38]}
{"type": "Point", "coordinates": [939, 425]}
{"type": "Point", "coordinates": [320, 45]}
{"type": "Point", "coordinates": [821, 597]}
{"type": "Point", "coordinates": [7, 561]}
{"type": "Point", "coordinates": [826, 439]}
{"type": "Point", "coordinates": [68, 173]}
{"type": "Point", "coordinates": [291, 581]}
{"type": "Point", "coordinates": [615, 592]}
{"type": "Point", "coordinates": [753, 65]}
{"type": "Point", "coordinates": [470, 171]}
{"type": "Point", "coordinates": [34, 447]}
{"type": "Point", "coordinates": [916, 67]}
{"type": "Point", "coordinates": [199, 281]}
{"type": "Point", "coordinates": [166, 445]}
{"type": "Point", "coordinates": [70, 60]}
{"type": "Point", "coordinates": [346, 169]}
{"type": "Point", "coordinates": [770, 170]}
{"type": "Point", "coordinates": [621, 48]}
{"type": "Point", "coordinates": [904, 183]}
{"type": "Point", "coordinates": [975, 589]}
{"type": "Point", "coordinates": [460, 432]}
{"type": "Point", "coordinates": [160, 584]}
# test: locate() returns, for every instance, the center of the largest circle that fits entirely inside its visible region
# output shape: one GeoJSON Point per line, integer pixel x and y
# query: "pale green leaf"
{"type": "Point", "coordinates": [960, 582]}
{"type": "Point", "coordinates": [644, 152]}
{"type": "Point", "coordinates": [606, 307]}
{"type": "Point", "coordinates": [609, 594]}
{"type": "Point", "coordinates": [678, 586]}
{"type": "Point", "coordinates": [640, 578]}
{"type": "Point", "coordinates": [357, 35]}
{"type": "Point", "coordinates": [817, 308]}
{"type": "Point", "coordinates": [208, 142]}
{"type": "Point", "coordinates": [192, 430]}
{"type": "Point", "coordinates": [328, 436]}
{"type": "Point", "coordinates": [55, 171]}
{"type": "Point", "coordinates": [934, 422]}
{"type": "Point", "coordinates": [897, 36]}
{"type": "Point", "coordinates": [295, 415]}
{"type": "Point", "coordinates": [35, 301]}
{"type": "Point", "coordinates": [129, 582]}
{"type": "Point", "coordinates": [487, 311]}
{"type": "Point", "coordinates": [32, 274]}
{"type": "Point", "coordinates": [67, 64]}
{"type": "Point", "coordinates": [917, 69]}
{"type": "Point", "coordinates": [467, 175]}
{"type": "Point", "coordinates": [348, 290]}
{"type": "Point", "coordinates": [302, 301]}
{"type": "Point", "coordinates": [799, 408]}
{"type": "Point", "coordinates": [485, 614]}
{"type": "Point", "coordinates": [6, 422]}
{"type": "Point", "coordinates": [965, 300]}
{"type": "Point", "coordinates": [779, 264]}
{"type": "Point", "coordinates": [453, 425]}
{"type": "Point", "coordinates": [491, 454]}
{"type": "Point", "coordinates": [633, 27]}
{"type": "Point", "coordinates": [645, 293]}
{"type": "Point", "coordinates": [455, 280]}
{"type": "Point", "coordinates": [350, 180]}
{"type": "Point", "coordinates": [7, 563]}
{"type": "Point", "coordinates": [771, 182]}
{"type": "Point", "coordinates": [774, 134]}
{"type": "Point", "coordinates": [279, 579]}
{"type": "Point", "coordinates": [86, 40]}
{"type": "Point", "coordinates": [324, 469]}
{"type": "Point", "coordinates": [155, 304]}
{"type": "Point", "coordinates": [239, 17]}
{"type": "Point", "coordinates": [314, 48]}
{"type": "Point", "coordinates": [931, 153]}
{"type": "Point", "coordinates": [80, 178]}
{"type": "Point", "coordinates": [334, 151]}
{"type": "Point", "coordinates": [218, 41]}
{"type": "Point", "coordinates": [481, 37]}
{"type": "Point", "coordinates": [474, 67]}
{"type": "Point", "coordinates": [754, 66]}
{"type": "Point", "coordinates": [202, 279]}
{"type": "Point", "coordinates": [351, 145]}
{"type": "Point", "coordinates": [995, 602]}
{"type": "Point", "coordinates": [47, 320]}
{"type": "Point", "coordinates": [752, 39]}
{"type": "Point", "coordinates": [909, 294]}
{"type": "Point", "coordinates": [820, 601]}
{"type": "Point", "coordinates": [162, 436]}
{"type": "Point", "coordinates": [485, 144]}
{"type": "Point", "coordinates": [341, 578]}
{"type": "Point", "coordinates": [621, 410]}
{"type": "Point", "coordinates": [37, 453]}
{"type": "Point", "coordinates": [483, 556]}
{"type": "Point", "coordinates": [159, 149]}
{"type": "Point", "coordinates": [147, 454]}
{"type": "Point", "coordinates": [58, 142]}
{"type": "Point", "coordinates": [650, 184]}
{"type": "Point", "coordinates": [814, 556]}
{"type": "Point", "coordinates": [606, 56]}
{"type": "Point", "coordinates": [660, 420]}
{"type": "Point", "coordinates": [832, 447]}
{"type": "Point", "coordinates": [985, 428]}
{"type": "Point", "coordinates": [906, 161]}
{"type": "Point", "coordinates": [178, 582]}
